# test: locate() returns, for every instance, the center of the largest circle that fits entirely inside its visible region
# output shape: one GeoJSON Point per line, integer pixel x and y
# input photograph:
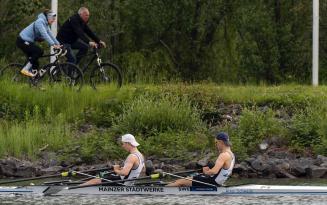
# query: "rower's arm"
{"type": "Point", "coordinates": [128, 165]}
{"type": "Point", "coordinates": [218, 165]}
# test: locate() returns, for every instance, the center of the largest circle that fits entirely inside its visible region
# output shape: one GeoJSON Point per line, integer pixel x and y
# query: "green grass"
{"type": "Point", "coordinates": [168, 119]}
{"type": "Point", "coordinates": [27, 138]}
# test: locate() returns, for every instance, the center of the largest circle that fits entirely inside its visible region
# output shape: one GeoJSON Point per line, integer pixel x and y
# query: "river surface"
{"type": "Point", "coordinates": [165, 200]}
{"type": "Point", "coordinates": [182, 200]}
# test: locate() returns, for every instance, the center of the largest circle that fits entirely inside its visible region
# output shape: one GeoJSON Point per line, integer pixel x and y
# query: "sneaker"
{"type": "Point", "coordinates": [27, 73]}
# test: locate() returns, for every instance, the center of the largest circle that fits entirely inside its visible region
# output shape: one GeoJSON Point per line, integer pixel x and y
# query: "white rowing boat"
{"type": "Point", "coordinates": [161, 190]}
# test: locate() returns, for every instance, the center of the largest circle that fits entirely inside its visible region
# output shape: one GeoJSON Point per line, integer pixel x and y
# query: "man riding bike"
{"type": "Point", "coordinates": [72, 35]}
{"type": "Point", "coordinates": [39, 30]}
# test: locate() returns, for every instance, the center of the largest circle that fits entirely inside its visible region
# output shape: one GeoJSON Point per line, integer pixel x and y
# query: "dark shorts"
{"type": "Point", "coordinates": [205, 179]}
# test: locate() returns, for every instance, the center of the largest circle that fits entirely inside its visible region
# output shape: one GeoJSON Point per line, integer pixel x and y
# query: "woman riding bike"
{"type": "Point", "coordinates": [39, 30]}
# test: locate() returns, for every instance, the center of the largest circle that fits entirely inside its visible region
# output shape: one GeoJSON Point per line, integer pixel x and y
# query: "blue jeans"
{"type": "Point", "coordinates": [82, 51]}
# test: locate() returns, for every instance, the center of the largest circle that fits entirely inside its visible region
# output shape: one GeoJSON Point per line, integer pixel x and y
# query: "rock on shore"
{"type": "Point", "coordinates": [273, 164]}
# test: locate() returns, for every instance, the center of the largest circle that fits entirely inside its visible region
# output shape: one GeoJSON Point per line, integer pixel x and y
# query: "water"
{"type": "Point", "coordinates": [165, 200]}
{"type": "Point", "coordinates": [182, 200]}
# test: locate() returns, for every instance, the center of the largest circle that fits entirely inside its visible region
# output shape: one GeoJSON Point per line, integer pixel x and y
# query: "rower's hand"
{"type": "Point", "coordinates": [205, 169]}
{"type": "Point", "coordinates": [116, 167]}
{"type": "Point", "coordinates": [103, 44]}
{"type": "Point", "coordinates": [93, 44]}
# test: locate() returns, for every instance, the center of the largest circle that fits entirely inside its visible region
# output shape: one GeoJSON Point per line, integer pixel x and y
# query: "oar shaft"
{"type": "Point", "coordinates": [153, 176]}
{"type": "Point", "coordinates": [189, 179]}
{"type": "Point", "coordinates": [107, 180]}
{"type": "Point", "coordinates": [63, 174]}
{"type": "Point", "coordinates": [30, 179]}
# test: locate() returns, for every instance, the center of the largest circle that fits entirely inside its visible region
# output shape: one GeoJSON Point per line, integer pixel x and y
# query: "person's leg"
{"type": "Point", "coordinates": [181, 182]}
{"type": "Point", "coordinates": [82, 49]}
{"type": "Point", "coordinates": [92, 181]}
{"type": "Point", "coordinates": [36, 53]}
{"type": "Point", "coordinates": [33, 53]}
{"type": "Point", "coordinates": [95, 181]}
{"type": "Point", "coordinates": [70, 55]}
{"type": "Point", "coordinates": [21, 44]}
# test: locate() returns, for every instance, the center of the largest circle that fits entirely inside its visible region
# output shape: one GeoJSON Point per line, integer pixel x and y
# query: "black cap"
{"type": "Point", "coordinates": [223, 137]}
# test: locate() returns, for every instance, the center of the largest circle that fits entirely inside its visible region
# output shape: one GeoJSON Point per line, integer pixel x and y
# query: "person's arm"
{"type": "Point", "coordinates": [53, 37]}
{"type": "Point", "coordinates": [44, 33]}
{"type": "Point", "coordinates": [75, 23]}
{"type": "Point", "coordinates": [91, 34]}
{"type": "Point", "coordinates": [129, 163]}
{"type": "Point", "coordinates": [218, 165]}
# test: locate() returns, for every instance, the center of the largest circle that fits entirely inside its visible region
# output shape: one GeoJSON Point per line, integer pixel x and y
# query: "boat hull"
{"type": "Point", "coordinates": [159, 190]}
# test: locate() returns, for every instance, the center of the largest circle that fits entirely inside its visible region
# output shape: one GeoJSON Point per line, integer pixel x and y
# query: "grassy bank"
{"type": "Point", "coordinates": [171, 120]}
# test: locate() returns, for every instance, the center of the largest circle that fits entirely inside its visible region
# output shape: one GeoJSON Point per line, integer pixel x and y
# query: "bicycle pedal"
{"type": "Point", "coordinates": [42, 72]}
{"type": "Point", "coordinates": [34, 72]}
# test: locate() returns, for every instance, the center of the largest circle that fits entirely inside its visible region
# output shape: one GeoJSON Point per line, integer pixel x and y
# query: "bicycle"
{"type": "Point", "coordinates": [104, 73]}
{"type": "Point", "coordinates": [67, 73]}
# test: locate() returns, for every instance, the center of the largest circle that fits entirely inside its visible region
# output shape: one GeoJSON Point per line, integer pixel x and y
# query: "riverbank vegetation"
{"type": "Point", "coordinates": [169, 120]}
{"type": "Point", "coordinates": [191, 68]}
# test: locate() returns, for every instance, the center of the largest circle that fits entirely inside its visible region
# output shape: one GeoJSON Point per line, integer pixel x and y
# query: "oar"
{"type": "Point", "coordinates": [152, 176]}
{"type": "Point", "coordinates": [63, 174]}
{"type": "Point", "coordinates": [57, 182]}
{"type": "Point", "coordinates": [189, 179]}
{"type": "Point", "coordinates": [84, 174]}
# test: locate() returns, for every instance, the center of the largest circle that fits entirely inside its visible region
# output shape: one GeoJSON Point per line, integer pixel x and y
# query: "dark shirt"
{"type": "Point", "coordinates": [75, 28]}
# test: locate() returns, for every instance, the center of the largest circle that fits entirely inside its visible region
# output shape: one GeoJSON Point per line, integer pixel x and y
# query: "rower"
{"type": "Point", "coordinates": [219, 173]}
{"type": "Point", "coordinates": [133, 165]}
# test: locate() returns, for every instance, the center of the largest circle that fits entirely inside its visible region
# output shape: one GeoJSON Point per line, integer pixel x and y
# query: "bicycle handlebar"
{"type": "Point", "coordinates": [60, 51]}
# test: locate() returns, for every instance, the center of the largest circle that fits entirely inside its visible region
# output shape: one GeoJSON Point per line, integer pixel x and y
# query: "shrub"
{"type": "Point", "coordinates": [148, 114]}
{"type": "Point", "coordinates": [174, 144]}
{"type": "Point", "coordinates": [256, 126]}
{"type": "Point", "coordinates": [308, 129]}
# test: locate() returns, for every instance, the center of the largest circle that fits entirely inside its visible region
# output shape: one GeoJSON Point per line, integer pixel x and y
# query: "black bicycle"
{"type": "Point", "coordinates": [66, 73]}
{"type": "Point", "coordinates": [103, 73]}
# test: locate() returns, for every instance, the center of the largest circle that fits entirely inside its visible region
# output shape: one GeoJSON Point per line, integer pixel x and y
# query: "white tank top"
{"type": "Point", "coordinates": [224, 174]}
{"type": "Point", "coordinates": [135, 172]}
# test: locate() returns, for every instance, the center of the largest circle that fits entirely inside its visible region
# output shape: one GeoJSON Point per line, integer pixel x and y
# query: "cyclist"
{"type": "Point", "coordinates": [39, 30]}
{"type": "Point", "coordinates": [72, 35]}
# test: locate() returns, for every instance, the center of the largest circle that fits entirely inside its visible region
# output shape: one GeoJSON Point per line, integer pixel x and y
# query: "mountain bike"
{"type": "Point", "coordinates": [104, 73]}
{"type": "Point", "coordinates": [66, 73]}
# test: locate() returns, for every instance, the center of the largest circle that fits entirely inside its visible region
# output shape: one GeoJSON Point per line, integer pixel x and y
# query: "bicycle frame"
{"type": "Point", "coordinates": [62, 52]}
{"type": "Point", "coordinates": [95, 54]}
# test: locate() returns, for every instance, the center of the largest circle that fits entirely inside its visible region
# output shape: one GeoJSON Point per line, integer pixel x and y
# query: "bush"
{"type": "Point", "coordinates": [256, 126]}
{"type": "Point", "coordinates": [308, 129]}
{"type": "Point", "coordinates": [98, 146]}
{"type": "Point", "coordinates": [174, 144]}
{"type": "Point", "coordinates": [149, 114]}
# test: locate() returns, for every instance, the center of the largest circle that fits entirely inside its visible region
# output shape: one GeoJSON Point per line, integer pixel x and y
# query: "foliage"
{"type": "Point", "coordinates": [221, 41]}
{"type": "Point", "coordinates": [308, 129]}
{"type": "Point", "coordinates": [151, 114]}
{"type": "Point", "coordinates": [174, 144]}
{"type": "Point", "coordinates": [256, 126]}
{"type": "Point", "coordinates": [169, 120]}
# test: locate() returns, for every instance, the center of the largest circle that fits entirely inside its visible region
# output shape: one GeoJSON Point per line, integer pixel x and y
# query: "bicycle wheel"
{"type": "Point", "coordinates": [11, 72]}
{"type": "Point", "coordinates": [68, 74]}
{"type": "Point", "coordinates": [106, 74]}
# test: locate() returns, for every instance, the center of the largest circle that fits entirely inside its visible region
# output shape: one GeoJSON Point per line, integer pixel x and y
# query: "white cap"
{"type": "Point", "coordinates": [130, 139]}
{"type": "Point", "coordinates": [51, 15]}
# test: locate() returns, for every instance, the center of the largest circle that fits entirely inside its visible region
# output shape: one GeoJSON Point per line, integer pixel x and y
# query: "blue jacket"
{"type": "Point", "coordinates": [39, 29]}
